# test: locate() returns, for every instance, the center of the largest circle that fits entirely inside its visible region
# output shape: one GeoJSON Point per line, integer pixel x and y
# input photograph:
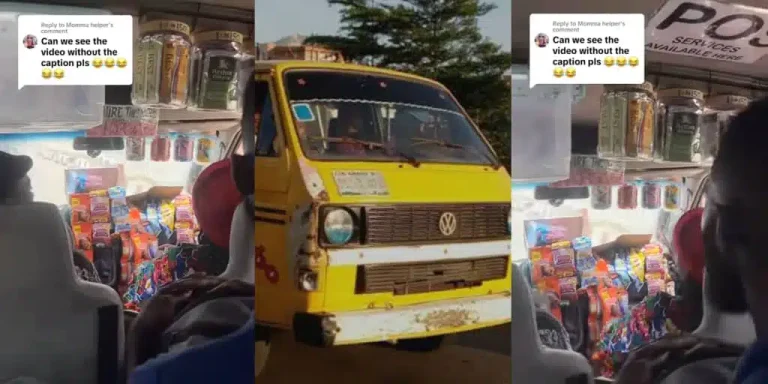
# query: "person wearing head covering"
{"type": "Point", "coordinates": [16, 188]}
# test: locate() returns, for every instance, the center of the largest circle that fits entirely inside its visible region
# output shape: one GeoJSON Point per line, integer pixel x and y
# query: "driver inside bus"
{"type": "Point", "coordinates": [347, 126]}
{"type": "Point", "coordinates": [16, 188]}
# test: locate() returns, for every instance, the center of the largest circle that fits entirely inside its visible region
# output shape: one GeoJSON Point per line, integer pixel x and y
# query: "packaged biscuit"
{"type": "Point", "coordinates": [542, 265]}
{"type": "Point", "coordinates": [563, 259]}
{"type": "Point", "coordinates": [84, 239]}
{"type": "Point", "coordinates": [185, 233]}
{"type": "Point", "coordinates": [81, 208]}
{"type": "Point", "coordinates": [100, 208]}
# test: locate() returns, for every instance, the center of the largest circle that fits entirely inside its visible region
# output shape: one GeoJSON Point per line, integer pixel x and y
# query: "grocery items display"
{"type": "Point", "coordinates": [627, 196]}
{"type": "Point", "coordinates": [161, 65]}
{"type": "Point", "coordinates": [215, 70]}
{"type": "Point", "coordinates": [622, 283]}
{"type": "Point", "coordinates": [721, 110]}
{"type": "Point", "coordinates": [680, 113]}
{"type": "Point", "coordinates": [652, 194]}
{"type": "Point", "coordinates": [627, 116]}
{"type": "Point", "coordinates": [177, 147]}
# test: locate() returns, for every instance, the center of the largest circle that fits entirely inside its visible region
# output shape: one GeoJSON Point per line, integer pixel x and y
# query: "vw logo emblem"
{"type": "Point", "coordinates": [447, 224]}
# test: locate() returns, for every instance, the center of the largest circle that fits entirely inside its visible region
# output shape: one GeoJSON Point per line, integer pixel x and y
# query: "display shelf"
{"type": "Point", "coordinates": [198, 126]}
{"type": "Point", "coordinates": [184, 115]}
{"type": "Point", "coordinates": [657, 165]}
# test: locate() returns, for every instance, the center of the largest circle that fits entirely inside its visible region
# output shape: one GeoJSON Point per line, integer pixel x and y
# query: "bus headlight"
{"type": "Point", "coordinates": [339, 226]}
{"type": "Point", "coordinates": [307, 280]}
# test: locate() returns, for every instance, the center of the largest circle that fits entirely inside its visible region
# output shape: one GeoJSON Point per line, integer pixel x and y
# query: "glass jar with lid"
{"type": "Point", "coordinates": [161, 65]}
{"type": "Point", "coordinates": [678, 127]}
{"type": "Point", "coordinates": [721, 109]}
{"type": "Point", "coordinates": [216, 63]}
{"type": "Point", "coordinates": [627, 116]}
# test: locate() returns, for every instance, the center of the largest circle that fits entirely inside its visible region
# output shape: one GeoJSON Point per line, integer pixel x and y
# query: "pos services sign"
{"type": "Point", "coordinates": [709, 30]}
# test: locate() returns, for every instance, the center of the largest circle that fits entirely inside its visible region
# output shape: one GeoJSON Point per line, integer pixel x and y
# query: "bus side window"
{"type": "Point", "coordinates": [267, 130]}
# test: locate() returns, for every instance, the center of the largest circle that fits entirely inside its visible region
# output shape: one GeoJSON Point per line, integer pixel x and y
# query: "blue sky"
{"type": "Point", "coordinates": [279, 18]}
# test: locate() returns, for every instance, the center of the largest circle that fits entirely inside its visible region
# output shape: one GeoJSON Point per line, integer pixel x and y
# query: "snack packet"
{"type": "Point", "coordinates": [127, 262]}
{"type": "Point", "coordinates": [550, 286]}
{"type": "Point", "coordinates": [542, 265]}
{"type": "Point", "coordinates": [168, 214]}
{"type": "Point", "coordinates": [81, 208]}
{"type": "Point", "coordinates": [568, 288]}
{"type": "Point", "coordinates": [100, 206]}
{"type": "Point", "coordinates": [84, 239]}
{"type": "Point", "coordinates": [637, 264]}
{"type": "Point", "coordinates": [621, 267]}
{"type": "Point", "coordinates": [101, 234]}
{"type": "Point", "coordinates": [185, 234]}
{"type": "Point", "coordinates": [184, 213]}
{"type": "Point", "coordinates": [654, 260]}
{"type": "Point", "coordinates": [563, 259]}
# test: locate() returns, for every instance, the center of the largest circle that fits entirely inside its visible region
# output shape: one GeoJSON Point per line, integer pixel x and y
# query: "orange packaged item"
{"type": "Point", "coordinates": [542, 265]}
{"type": "Point", "coordinates": [609, 301]}
{"type": "Point", "coordinates": [84, 239]}
{"type": "Point", "coordinates": [564, 259]}
{"type": "Point", "coordinates": [569, 287]}
{"type": "Point", "coordinates": [595, 313]}
{"type": "Point", "coordinates": [99, 207]}
{"type": "Point", "coordinates": [81, 208]}
{"type": "Point", "coordinates": [140, 243]}
{"type": "Point", "coordinates": [126, 262]}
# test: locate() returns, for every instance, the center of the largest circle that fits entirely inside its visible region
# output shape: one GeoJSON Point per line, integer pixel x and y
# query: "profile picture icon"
{"type": "Point", "coordinates": [29, 41]}
{"type": "Point", "coordinates": [541, 40]}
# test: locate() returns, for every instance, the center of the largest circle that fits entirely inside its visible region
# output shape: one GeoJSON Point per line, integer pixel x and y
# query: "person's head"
{"type": "Point", "coordinates": [736, 215]}
{"type": "Point", "coordinates": [15, 185]}
{"type": "Point", "coordinates": [350, 121]}
{"type": "Point", "coordinates": [541, 40]}
{"type": "Point", "coordinates": [688, 254]}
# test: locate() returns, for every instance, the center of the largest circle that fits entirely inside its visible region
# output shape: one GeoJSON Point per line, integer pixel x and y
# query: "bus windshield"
{"type": "Point", "coordinates": [353, 116]}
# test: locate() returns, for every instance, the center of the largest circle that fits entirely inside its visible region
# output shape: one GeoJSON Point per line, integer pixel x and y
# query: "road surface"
{"type": "Point", "coordinates": [475, 357]}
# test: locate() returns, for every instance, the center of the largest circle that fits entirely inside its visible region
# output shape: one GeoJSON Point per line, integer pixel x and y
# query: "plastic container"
{"type": "Point", "coordinates": [721, 110]}
{"type": "Point", "coordinates": [36, 108]}
{"type": "Point", "coordinates": [206, 147]}
{"type": "Point", "coordinates": [651, 196]}
{"type": "Point", "coordinates": [627, 117]}
{"type": "Point", "coordinates": [183, 148]}
{"type": "Point", "coordinates": [672, 197]}
{"type": "Point", "coordinates": [216, 62]}
{"type": "Point", "coordinates": [601, 197]}
{"type": "Point", "coordinates": [161, 148]}
{"type": "Point", "coordinates": [135, 148]}
{"type": "Point", "coordinates": [541, 131]}
{"type": "Point", "coordinates": [627, 196]}
{"type": "Point", "coordinates": [678, 126]}
{"type": "Point", "coordinates": [161, 65]}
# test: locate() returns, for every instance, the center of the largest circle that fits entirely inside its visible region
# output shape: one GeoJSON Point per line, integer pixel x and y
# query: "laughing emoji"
{"type": "Point", "coordinates": [608, 61]}
{"type": "Point", "coordinates": [58, 73]}
{"type": "Point", "coordinates": [558, 72]}
{"type": "Point", "coordinates": [570, 72]}
{"type": "Point", "coordinates": [47, 73]}
{"type": "Point", "coordinates": [110, 62]}
{"type": "Point", "coordinates": [634, 61]}
{"type": "Point", "coordinates": [621, 61]}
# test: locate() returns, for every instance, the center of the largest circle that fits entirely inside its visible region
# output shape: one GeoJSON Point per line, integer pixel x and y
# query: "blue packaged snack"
{"type": "Point", "coordinates": [116, 192]}
{"type": "Point", "coordinates": [621, 268]}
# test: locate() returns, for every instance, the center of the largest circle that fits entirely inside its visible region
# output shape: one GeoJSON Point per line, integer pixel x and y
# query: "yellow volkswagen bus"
{"type": "Point", "coordinates": [381, 212]}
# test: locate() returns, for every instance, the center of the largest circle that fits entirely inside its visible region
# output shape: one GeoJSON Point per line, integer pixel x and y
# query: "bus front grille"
{"type": "Point", "coordinates": [420, 277]}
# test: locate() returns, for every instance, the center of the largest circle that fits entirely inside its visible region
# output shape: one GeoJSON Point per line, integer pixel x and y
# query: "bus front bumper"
{"type": "Point", "coordinates": [413, 321]}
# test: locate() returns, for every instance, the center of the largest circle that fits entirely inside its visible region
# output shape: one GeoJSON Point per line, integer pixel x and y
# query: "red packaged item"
{"type": "Point", "coordinates": [568, 288]}
{"type": "Point", "coordinates": [160, 149]}
{"type": "Point", "coordinates": [81, 208]}
{"type": "Point", "coordinates": [595, 313]}
{"type": "Point", "coordinates": [651, 196]}
{"type": "Point", "coordinates": [627, 197]}
{"type": "Point", "coordinates": [84, 239]}
{"type": "Point", "coordinates": [127, 262]}
{"type": "Point", "coordinates": [550, 286]}
{"type": "Point", "coordinates": [183, 148]}
{"type": "Point", "coordinates": [542, 265]}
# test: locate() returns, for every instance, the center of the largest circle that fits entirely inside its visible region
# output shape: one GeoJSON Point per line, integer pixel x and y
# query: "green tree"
{"type": "Point", "coordinates": [438, 39]}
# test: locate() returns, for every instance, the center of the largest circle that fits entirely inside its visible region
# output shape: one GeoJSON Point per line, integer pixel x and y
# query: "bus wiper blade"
{"type": "Point", "coordinates": [422, 141]}
{"type": "Point", "coordinates": [371, 145]}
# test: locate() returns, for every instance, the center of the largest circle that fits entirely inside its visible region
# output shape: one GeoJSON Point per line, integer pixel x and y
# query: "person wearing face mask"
{"type": "Point", "coordinates": [349, 123]}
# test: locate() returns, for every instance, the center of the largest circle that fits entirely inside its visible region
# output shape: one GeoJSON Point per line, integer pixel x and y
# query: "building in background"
{"type": "Point", "coordinates": [293, 48]}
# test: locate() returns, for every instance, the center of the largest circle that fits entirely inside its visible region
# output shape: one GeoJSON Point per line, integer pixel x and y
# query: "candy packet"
{"type": "Point", "coordinates": [563, 259]}
{"type": "Point", "coordinates": [550, 286]}
{"type": "Point", "coordinates": [100, 206]}
{"type": "Point", "coordinates": [101, 234]}
{"type": "Point", "coordinates": [542, 265]}
{"type": "Point", "coordinates": [185, 234]}
{"type": "Point", "coordinates": [569, 287]}
{"type": "Point", "coordinates": [621, 267]}
{"type": "Point", "coordinates": [84, 239]}
{"type": "Point", "coordinates": [168, 214]}
{"type": "Point", "coordinates": [654, 260]}
{"type": "Point", "coordinates": [637, 264]}
{"type": "Point", "coordinates": [81, 208]}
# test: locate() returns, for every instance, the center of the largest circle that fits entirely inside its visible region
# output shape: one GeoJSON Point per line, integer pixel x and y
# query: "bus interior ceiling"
{"type": "Point", "coordinates": [660, 67]}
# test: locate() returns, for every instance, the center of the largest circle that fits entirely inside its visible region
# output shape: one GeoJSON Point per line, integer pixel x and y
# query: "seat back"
{"type": "Point", "coordinates": [55, 328]}
{"type": "Point", "coordinates": [230, 359]}
{"type": "Point", "coordinates": [242, 260]}
{"type": "Point", "coordinates": [533, 362]}
{"type": "Point", "coordinates": [730, 328]}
